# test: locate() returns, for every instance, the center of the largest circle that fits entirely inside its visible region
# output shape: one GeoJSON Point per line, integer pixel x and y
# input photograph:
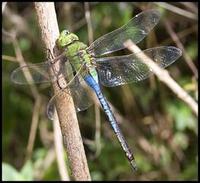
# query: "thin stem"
{"type": "Point", "coordinates": [89, 23]}
{"type": "Point", "coordinates": [191, 6]}
{"type": "Point", "coordinates": [164, 76]}
{"type": "Point", "coordinates": [45, 164]}
{"type": "Point", "coordinates": [64, 103]}
{"type": "Point", "coordinates": [34, 125]}
{"type": "Point", "coordinates": [58, 143]}
{"type": "Point", "coordinates": [177, 10]}
{"type": "Point", "coordinates": [9, 58]}
{"type": "Point", "coordinates": [181, 34]}
{"type": "Point", "coordinates": [22, 62]}
{"type": "Point", "coordinates": [180, 45]}
{"type": "Point", "coordinates": [97, 108]}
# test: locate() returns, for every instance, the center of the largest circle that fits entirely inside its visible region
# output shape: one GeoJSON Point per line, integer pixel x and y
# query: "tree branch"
{"type": "Point", "coordinates": [59, 150]}
{"type": "Point", "coordinates": [164, 76]}
{"type": "Point", "coordinates": [64, 104]}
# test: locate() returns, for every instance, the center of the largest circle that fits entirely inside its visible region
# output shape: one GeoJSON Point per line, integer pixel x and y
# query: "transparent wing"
{"type": "Point", "coordinates": [114, 71]}
{"type": "Point", "coordinates": [136, 29]}
{"type": "Point", "coordinates": [33, 73]}
{"type": "Point", "coordinates": [39, 73]}
{"type": "Point", "coordinates": [80, 93]}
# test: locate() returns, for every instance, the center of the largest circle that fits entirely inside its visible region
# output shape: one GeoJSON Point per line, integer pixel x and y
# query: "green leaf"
{"type": "Point", "coordinates": [181, 139]}
{"type": "Point", "coordinates": [96, 176]}
{"type": "Point", "coordinates": [24, 44]}
{"type": "Point", "coordinates": [9, 173]}
{"type": "Point", "coordinates": [165, 156]}
{"type": "Point", "coordinates": [143, 163]}
{"type": "Point", "coordinates": [192, 49]}
{"type": "Point", "coordinates": [27, 171]}
{"type": "Point", "coordinates": [183, 117]}
{"type": "Point", "coordinates": [190, 172]}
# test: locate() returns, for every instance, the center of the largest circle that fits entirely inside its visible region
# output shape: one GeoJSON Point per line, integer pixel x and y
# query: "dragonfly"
{"type": "Point", "coordinates": [90, 67]}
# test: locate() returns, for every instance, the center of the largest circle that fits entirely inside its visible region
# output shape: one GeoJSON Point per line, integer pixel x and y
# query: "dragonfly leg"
{"type": "Point", "coordinates": [49, 53]}
{"type": "Point", "coordinates": [54, 60]}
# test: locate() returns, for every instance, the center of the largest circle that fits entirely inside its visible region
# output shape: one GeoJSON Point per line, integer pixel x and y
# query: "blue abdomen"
{"type": "Point", "coordinates": [96, 88]}
{"type": "Point", "coordinates": [111, 118]}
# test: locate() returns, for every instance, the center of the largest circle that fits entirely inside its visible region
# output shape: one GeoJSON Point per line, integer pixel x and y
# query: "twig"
{"type": "Point", "coordinates": [164, 76]}
{"type": "Point", "coordinates": [35, 117]}
{"type": "Point", "coordinates": [98, 130]}
{"type": "Point", "coordinates": [18, 22]}
{"type": "Point", "coordinates": [78, 25]}
{"type": "Point", "coordinates": [180, 34]}
{"type": "Point", "coordinates": [89, 23]}
{"type": "Point", "coordinates": [191, 6]}
{"type": "Point", "coordinates": [34, 125]}
{"type": "Point", "coordinates": [44, 165]}
{"type": "Point", "coordinates": [9, 58]}
{"type": "Point", "coordinates": [177, 10]}
{"type": "Point", "coordinates": [35, 93]}
{"type": "Point", "coordinates": [64, 104]}
{"type": "Point", "coordinates": [180, 45]}
{"type": "Point", "coordinates": [58, 143]}
{"type": "Point", "coordinates": [22, 62]}
{"type": "Point", "coordinates": [97, 109]}
{"type": "Point", "coordinates": [46, 136]}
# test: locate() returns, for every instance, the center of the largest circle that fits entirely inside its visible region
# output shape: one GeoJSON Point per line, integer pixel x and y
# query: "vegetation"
{"type": "Point", "coordinates": [160, 128]}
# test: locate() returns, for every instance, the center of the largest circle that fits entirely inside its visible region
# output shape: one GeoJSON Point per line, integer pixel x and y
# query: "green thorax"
{"type": "Point", "coordinates": [75, 51]}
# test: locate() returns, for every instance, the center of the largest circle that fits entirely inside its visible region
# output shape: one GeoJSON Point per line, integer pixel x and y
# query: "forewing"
{"type": "Point", "coordinates": [39, 73]}
{"type": "Point", "coordinates": [136, 29]}
{"type": "Point", "coordinates": [33, 73]}
{"type": "Point", "coordinates": [115, 71]}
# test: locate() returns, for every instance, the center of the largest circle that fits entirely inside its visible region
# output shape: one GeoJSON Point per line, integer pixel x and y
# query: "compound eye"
{"type": "Point", "coordinates": [66, 32]}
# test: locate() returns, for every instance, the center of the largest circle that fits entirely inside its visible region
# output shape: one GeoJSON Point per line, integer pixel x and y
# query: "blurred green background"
{"type": "Point", "coordinates": [159, 127]}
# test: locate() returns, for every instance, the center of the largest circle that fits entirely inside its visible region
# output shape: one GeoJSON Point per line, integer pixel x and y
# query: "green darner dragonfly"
{"type": "Point", "coordinates": [82, 65]}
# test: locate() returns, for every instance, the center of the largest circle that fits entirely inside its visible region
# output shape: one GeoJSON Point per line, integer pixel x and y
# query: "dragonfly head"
{"type": "Point", "coordinates": [66, 38]}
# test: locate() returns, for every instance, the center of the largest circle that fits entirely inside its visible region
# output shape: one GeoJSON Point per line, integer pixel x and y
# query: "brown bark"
{"type": "Point", "coordinates": [64, 104]}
